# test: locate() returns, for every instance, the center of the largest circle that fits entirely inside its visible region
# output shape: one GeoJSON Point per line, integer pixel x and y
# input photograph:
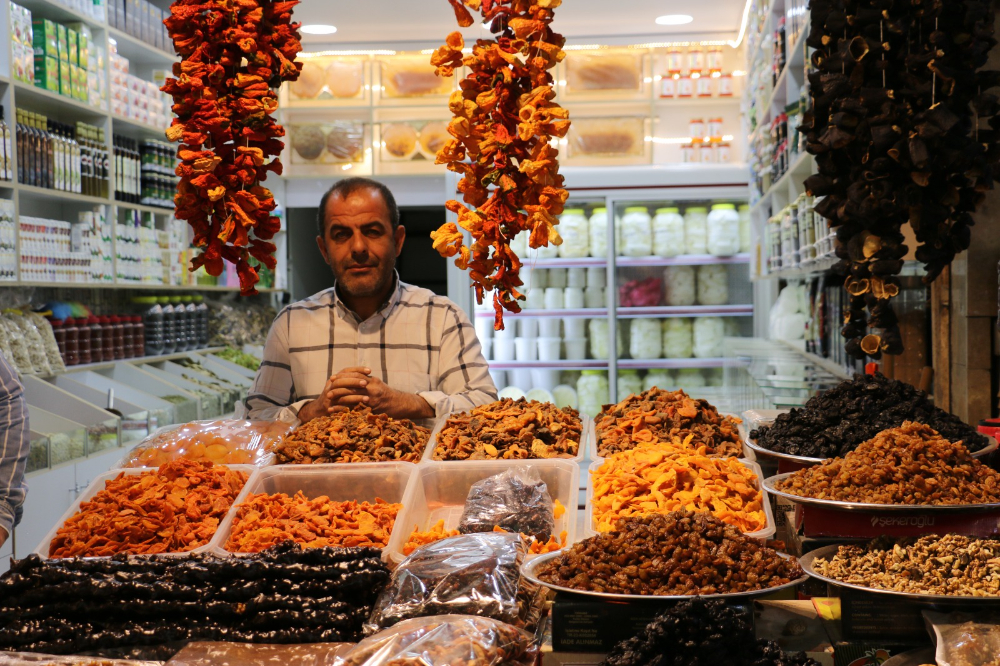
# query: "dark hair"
{"type": "Point", "coordinates": [349, 186]}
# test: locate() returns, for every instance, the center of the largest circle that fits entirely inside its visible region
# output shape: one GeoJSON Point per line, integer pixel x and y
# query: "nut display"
{"type": "Point", "coordinates": [175, 508]}
{"type": "Point", "coordinates": [835, 422]}
{"type": "Point", "coordinates": [679, 553]}
{"type": "Point", "coordinates": [511, 429]}
{"type": "Point", "coordinates": [283, 595]}
{"type": "Point", "coordinates": [656, 415]}
{"type": "Point", "coordinates": [358, 435]}
{"type": "Point", "coordinates": [263, 521]}
{"type": "Point", "coordinates": [651, 479]}
{"type": "Point", "coordinates": [949, 565]}
{"type": "Point", "coordinates": [911, 464]}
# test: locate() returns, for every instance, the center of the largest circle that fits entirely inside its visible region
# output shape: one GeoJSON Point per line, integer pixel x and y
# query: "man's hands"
{"type": "Point", "coordinates": [356, 386]}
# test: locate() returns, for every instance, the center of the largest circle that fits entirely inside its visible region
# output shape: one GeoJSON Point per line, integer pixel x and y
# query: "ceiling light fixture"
{"type": "Point", "coordinates": [743, 25]}
{"type": "Point", "coordinates": [674, 19]}
{"type": "Point", "coordinates": [318, 29]}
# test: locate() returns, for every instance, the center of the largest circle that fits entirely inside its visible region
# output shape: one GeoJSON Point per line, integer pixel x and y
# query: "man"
{"type": "Point", "coordinates": [13, 449]}
{"type": "Point", "coordinates": [370, 339]}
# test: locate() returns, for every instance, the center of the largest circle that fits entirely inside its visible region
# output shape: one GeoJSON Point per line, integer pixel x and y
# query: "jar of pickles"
{"type": "Point", "coordinates": [636, 232]}
{"type": "Point", "coordinates": [598, 230]}
{"type": "Point", "coordinates": [593, 392]}
{"type": "Point", "coordinates": [668, 232]}
{"type": "Point", "coordinates": [575, 231]}
{"type": "Point", "coordinates": [696, 230]}
{"type": "Point", "coordinates": [645, 339]}
{"type": "Point", "coordinates": [629, 383]}
{"type": "Point", "coordinates": [723, 239]}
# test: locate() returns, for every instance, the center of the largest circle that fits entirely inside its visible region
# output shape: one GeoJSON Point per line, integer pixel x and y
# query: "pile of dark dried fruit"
{"type": "Point", "coordinates": [701, 632]}
{"type": "Point", "coordinates": [835, 422]}
{"type": "Point", "coordinates": [282, 595]}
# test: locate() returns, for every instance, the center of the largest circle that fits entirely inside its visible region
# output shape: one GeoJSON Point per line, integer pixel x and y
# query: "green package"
{"type": "Point", "coordinates": [45, 38]}
{"type": "Point", "coordinates": [65, 78]}
{"type": "Point", "coordinates": [47, 73]}
{"type": "Point", "coordinates": [63, 43]}
{"type": "Point", "coordinates": [72, 45]}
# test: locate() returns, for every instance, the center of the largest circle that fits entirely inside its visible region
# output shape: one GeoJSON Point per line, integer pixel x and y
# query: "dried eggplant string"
{"type": "Point", "coordinates": [504, 126]}
{"type": "Point", "coordinates": [892, 149]}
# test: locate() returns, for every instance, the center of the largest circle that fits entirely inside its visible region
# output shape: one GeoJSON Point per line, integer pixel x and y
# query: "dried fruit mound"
{"type": "Point", "coordinates": [173, 509]}
{"type": "Point", "coordinates": [511, 429]}
{"type": "Point", "coordinates": [701, 632]}
{"type": "Point", "coordinates": [835, 422]}
{"type": "Point", "coordinates": [358, 435]}
{"type": "Point", "coordinates": [679, 553]}
{"type": "Point", "coordinates": [658, 415]}
{"type": "Point", "coordinates": [911, 464]}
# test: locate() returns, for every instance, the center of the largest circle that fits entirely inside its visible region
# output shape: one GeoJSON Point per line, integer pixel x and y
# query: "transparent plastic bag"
{"type": "Point", "coordinates": [19, 357]}
{"type": "Point", "coordinates": [6, 347]}
{"type": "Point", "coordinates": [516, 501]}
{"type": "Point", "coordinates": [49, 342]}
{"type": "Point", "coordinates": [474, 574]}
{"type": "Point", "coordinates": [33, 342]}
{"type": "Point", "coordinates": [964, 639]}
{"type": "Point", "coordinates": [230, 442]}
{"type": "Point", "coordinates": [209, 653]}
{"type": "Point", "coordinates": [445, 640]}
{"type": "Point", "coordinates": [35, 659]}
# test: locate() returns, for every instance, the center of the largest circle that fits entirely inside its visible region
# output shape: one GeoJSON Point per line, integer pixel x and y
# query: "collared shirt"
{"type": "Point", "coordinates": [14, 444]}
{"type": "Point", "coordinates": [417, 342]}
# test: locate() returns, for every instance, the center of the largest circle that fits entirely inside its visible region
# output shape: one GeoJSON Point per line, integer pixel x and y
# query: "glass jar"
{"type": "Point", "coordinates": [139, 339]}
{"type": "Point", "coordinates": [169, 325]}
{"type": "Point", "coordinates": [128, 337]}
{"type": "Point", "coordinates": [675, 60]}
{"type": "Point", "coordinates": [636, 232]}
{"type": "Point", "coordinates": [593, 392]}
{"type": "Point", "coordinates": [107, 339]}
{"type": "Point", "coordinates": [696, 59]}
{"type": "Point", "coordinates": [644, 340]}
{"type": "Point", "coordinates": [83, 341]}
{"type": "Point", "coordinates": [152, 318]}
{"type": "Point", "coordinates": [714, 60]}
{"type": "Point", "coordinates": [575, 231]}
{"type": "Point", "coordinates": [679, 285]}
{"type": "Point", "coordinates": [96, 339]}
{"type": "Point", "coordinates": [668, 232]}
{"type": "Point", "coordinates": [696, 128]}
{"type": "Point", "coordinates": [72, 333]}
{"type": "Point", "coordinates": [629, 383]}
{"type": "Point", "coordinates": [598, 228]}
{"type": "Point", "coordinates": [117, 337]}
{"type": "Point", "coordinates": [598, 330]}
{"type": "Point", "coordinates": [696, 230]}
{"type": "Point", "coordinates": [690, 380]}
{"type": "Point", "coordinates": [709, 337]}
{"type": "Point", "coordinates": [713, 285]}
{"type": "Point", "coordinates": [744, 213]}
{"type": "Point", "coordinates": [678, 337]}
{"type": "Point", "coordinates": [657, 379]}
{"type": "Point", "coordinates": [723, 230]}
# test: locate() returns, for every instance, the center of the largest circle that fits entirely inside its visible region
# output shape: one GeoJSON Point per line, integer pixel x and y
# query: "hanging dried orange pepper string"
{"type": "Point", "coordinates": [234, 55]}
{"type": "Point", "coordinates": [503, 127]}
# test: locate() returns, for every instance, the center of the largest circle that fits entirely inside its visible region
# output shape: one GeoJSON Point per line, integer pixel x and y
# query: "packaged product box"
{"type": "Point", "coordinates": [20, 25]}
{"type": "Point", "coordinates": [113, 14]}
{"type": "Point", "coordinates": [84, 39]}
{"type": "Point", "coordinates": [24, 62]}
{"type": "Point", "coordinates": [63, 42]}
{"type": "Point", "coordinates": [147, 22]}
{"type": "Point", "coordinates": [72, 47]}
{"type": "Point", "coordinates": [45, 38]}
{"type": "Point", "coordinates": [133, 14]}
{"type": "Point", "coordinates": [65, 78]}
{"type": "Point", "coordinates": [79, 76]}
{"type": "Point", "coordinates": [47, 73]}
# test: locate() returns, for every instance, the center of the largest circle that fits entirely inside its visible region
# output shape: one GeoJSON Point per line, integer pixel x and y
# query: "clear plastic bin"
{"type": "Point", "coordinates": [98, 485]}
{"type": "Point", "coordinates": [762, 535]}
{"type": "Point", "coordinates": [439, 489]}
{"type": "Point", "coordinates": [586, 434]}
{"type": "Point", "coordinates": [362, 482]}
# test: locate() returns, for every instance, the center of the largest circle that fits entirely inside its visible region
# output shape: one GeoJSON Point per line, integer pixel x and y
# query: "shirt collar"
{"type": "Point", "coordinates": [384, 311]}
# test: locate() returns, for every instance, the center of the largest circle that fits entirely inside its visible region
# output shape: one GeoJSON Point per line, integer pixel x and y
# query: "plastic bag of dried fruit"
{"type": "Point", "coordinates": [35, 659]}
{"type": "Point", "coordinates": [207, 653]}
{"type": "Point", "coordinates": [516, 501]}
{"type": "Point", "coordinates": [230, 442]}
{"type": "Point", "coordinates": [964, 639]}
{"type": "Point", "coordinates": [445, 640]}
{"type": "Point", "coordinates": [474, 574]}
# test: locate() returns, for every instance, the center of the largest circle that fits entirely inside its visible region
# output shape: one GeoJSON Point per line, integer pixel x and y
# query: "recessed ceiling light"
{"type": "Point", "coordinates": [674, 19]}
{"type": "Point", "coordinates": [320, 29]}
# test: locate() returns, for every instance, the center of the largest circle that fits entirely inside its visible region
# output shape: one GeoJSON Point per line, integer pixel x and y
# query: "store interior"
{"type": "Point", "coordinates": [725, 387]}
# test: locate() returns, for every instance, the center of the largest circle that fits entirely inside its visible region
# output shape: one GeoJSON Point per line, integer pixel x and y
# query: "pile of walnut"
{"type": "Point", "coordinates": [355, 436]}
{"type": "Point", "coordinates": [511, 429]}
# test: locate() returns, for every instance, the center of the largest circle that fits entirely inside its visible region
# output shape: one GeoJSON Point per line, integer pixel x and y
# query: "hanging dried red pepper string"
{"type": "Point", "coordinates": [234, 56]}
{"type": "Point", "coordinates": [503, 127]}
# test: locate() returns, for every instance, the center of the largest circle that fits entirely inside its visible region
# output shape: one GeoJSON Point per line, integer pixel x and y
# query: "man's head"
{"type": "Point", "coordinates": [360, 236]}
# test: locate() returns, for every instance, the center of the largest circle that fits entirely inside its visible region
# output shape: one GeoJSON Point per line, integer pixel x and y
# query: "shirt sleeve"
{"type": "Point", "coordinates": [272, 395]}
{"type": "Point", "coordinates": [14, 444]}
{"type": "Point", "coordinates": [464, 380]}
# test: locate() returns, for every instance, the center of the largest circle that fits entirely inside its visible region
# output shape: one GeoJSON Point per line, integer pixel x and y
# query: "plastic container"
{"type": "Point", "coordinates": [362, 482]}
{"type": "Point", "coordinates": [181, 330]}
{"type": "Point", "coordinates": [636, 233]}
{"type": "Point", "coordinates": [129, 336]}
{"type": "Point", "coordinates": [96, 339]}
{"type": "Point", "coordinates": [723, 238]}
{"type": "Point", "coordinates": [678, 338]}
{"type": "Point", "coordinates": [668, 233]}
{"type": "Point", "coordinates": [59, 331]}
{"type": "Point", "coordinates": [438, 491]}
{"type": "Point", "coordinates": [191, 321]}
{"type": "Point", "coordinates": [72, 333]}
{"type": "Point", "coordinates": [575, 231]}
{"type": "Point", "coordinates": [593, 392]}
{"type": "Point", "coordinates": [118, 337]}
{"type": "Point", "coordinates": [744, 212]}
{"type": "Point", "coordinates": [98, 484]}
{"type": "Point", "coordinates": [645, 339]}
{"type": "Point", "coordinates": [696, 230]}
{"type": "Point", "coordinates": [679, 285]}
{"type": "Point", "coordinates": [629, 383]}
{"type": "Point", "coordinates": [709, 336]}
{"type": "Point", "coordinates": [153, 320]}
{"type": "Point", "coordinates": [139, 339]}
{"type": "Point", "coordinates": [713, 284]}
{"type": "Point", "coordinates": [202, 315]}
{"type": "Point", "coordinates": [598, 229]}
{"type": "Point", "coordinates": [169, 325]}
{"type": "Point", "coordinates": [83, 341]}
{"type": "Point", "coordinates": [598, 330]}
{"type": "Point", "coordinates": [107, 338]}
{"type": "Point", "coordinates": [657, 378]}
{"type": "Point", "coordinates": [762, 535]}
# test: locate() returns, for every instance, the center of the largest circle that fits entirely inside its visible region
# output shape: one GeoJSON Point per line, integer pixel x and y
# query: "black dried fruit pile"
{"type": "Point", "coordinates": [282, 595]}
{"type": "Point", "coordinates": [700, 632]}
{"type": "Point", "coordinates": [836, 422]}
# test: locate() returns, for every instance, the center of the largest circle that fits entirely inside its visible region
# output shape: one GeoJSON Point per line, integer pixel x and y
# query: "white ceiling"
{"type": "Point", "coordinates": [397, 23]}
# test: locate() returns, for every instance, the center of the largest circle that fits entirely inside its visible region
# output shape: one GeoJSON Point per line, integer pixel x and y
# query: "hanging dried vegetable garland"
{"type": "Point", "coordinates": [904, 131]}
{"type": "Point", "coordinates": [234, 55]}
{"type": "Point", "coordinates": [503, 126]}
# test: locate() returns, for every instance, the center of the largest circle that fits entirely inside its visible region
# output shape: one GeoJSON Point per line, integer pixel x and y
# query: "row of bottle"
{"type": "Point", "coordinates": [99, 339]}
{"type": "Point", "coordinates": [6, 156]}
{"type": "Point", "coordinates": [173, 323]}
{"type": "Point", "coordinates": [128, 170]}
{"type": "Point", "coordinates": [59, 157]}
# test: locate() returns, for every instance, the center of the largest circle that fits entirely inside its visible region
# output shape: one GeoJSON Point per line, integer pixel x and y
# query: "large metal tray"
{"type": "Point", "coordinates": [829, 551]}
{"type": "Point", "coordinates": [836, 505]}
{"type": "Point", "coordinates": [530, 567]}
{"type": "Point", "coordinates": [760, 453]}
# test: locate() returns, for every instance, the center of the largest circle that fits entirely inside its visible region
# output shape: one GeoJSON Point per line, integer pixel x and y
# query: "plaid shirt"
{"type": "Point", "coordinates": [14, 444]}
{"type": "Point", "coordinates": [417, 342]}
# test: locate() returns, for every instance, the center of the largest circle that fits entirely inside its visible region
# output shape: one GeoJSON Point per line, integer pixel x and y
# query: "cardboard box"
{"type": "Point", "coordinates": [63, 39]}
{"type": "Point", "coordinates": [45, 38]}
{"type": "Point", "coordinates": [72, 47]}
{"type": "Point", "coordinates": [65, 78]}
{"type": "Point", "coordinates": [79, 76]}
{"type": "Point", "coordinates": [47, 73]}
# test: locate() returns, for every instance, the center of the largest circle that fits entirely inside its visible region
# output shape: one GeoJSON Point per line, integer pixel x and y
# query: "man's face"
{"type": "Point", "coordinates": [360, 244]}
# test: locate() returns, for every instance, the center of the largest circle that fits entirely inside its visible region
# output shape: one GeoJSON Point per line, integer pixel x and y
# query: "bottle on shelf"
{"type": "Point", "coordinates": [151, 315]}
{"type": "Point", "coordinates": [202, 311]}
{"type": "Point", "coordinates": [6, 172]}
{"type": "Point", "coordinates": [59, 162]}
{"type": "Point", "coordinates": [128, 336]}
{"type": "Point", "coordinates": [180, 324]}
{"type": "Point", "coordinates": [191, 313]}
{"type": "Point", "coordinates": [71, 332]}
{"type": "Point", "coordinates": [22, 157]}
{"type": "Point", "coordinates": [118, 337]}
{"type": "Point", "coordinates": [104, 162]}
{"type": "Point", "coordinates": [107, 338]}
{"type": "Point", "coordinates": [169, 325]}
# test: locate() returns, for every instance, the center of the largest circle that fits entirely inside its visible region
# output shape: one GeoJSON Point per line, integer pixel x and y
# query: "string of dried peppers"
{"type": "Point", "coordinates": [503, 127]}
{"type": "Point", "coordinates": [234, 55]}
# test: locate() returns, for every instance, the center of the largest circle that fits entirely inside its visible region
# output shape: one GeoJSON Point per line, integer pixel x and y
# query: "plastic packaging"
{"type": "Point", "coordinates": [678, 338]}
{"type": "Point", "coordinates": [713, 285]}
{"type": "Point", "coordinates": [587, 72]}
{"type": "Point", "coordinates": [445, 640]}
{"type": "Point", "coordinates": [689, 380]}
{"type": "Point", "coordinates": [645, 339]}
{"type": "Point", "coordinates": [598, 229]}
{"type": "Point", "coordinates": [32, 342]}
{"type": "Point", "coordinates": [964, 639]}
{"type": "Point", "coordinates": [668, 233]}
{"type": "Point", "coordinates": [575, 231]}
{"type": "Point", "coordinates": [412, 77]}
{"type": "Point", "coordinates": [636, 233]}
{"type": "Point", "coordinates": [208, 653]}
{"type": "Point", "coordinates": [473, 574]}
{"type": "Point", "coordinates": [744, 213]}
{"type": "Point", "coordinates": [640, 293]}
{"type": "Point", "coordinates": [679, 285]}
{"type": "Point", "coordinates": [517, 501]}
{"type": "Point", "coordinates": [723, 238]}
{"type": "Point", "coordinates": [598, 329]}
{"type": "Point", "coordinates": [48, 342]}
{"type": "Point", "coordinates": [341, 79]}
{"type": "Point", "coordinates": [696, 230]}
{"type": "Point", "coordinates": [335, 142]}
{"type": "Point", "coordinates": [36, 659]}
{"type": "Point", "coordinates": [230, 442]}
{"type": "Point", "coordinates": [709, 336]}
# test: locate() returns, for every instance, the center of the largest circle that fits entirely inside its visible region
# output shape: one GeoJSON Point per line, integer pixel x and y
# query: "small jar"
{"type": "Point", "coordinates": [703, 86]}
{"type": "Point", "coordinates": [685, 87]}
{"type": "Point", "coordinates": [708, 153]}
{"type": "Point", "coordinates": [72, 333]}
{"type": "Point", "coordinates": [668, 232]}
{"type": "Point", "coordinates": [128, 337]}
{"type": "Point", "coordinates": [687, 153]}
{"type": "Point", "coordinates": [593, 297]}
{"type": "Point", "coordinates": [713, 60]}
{"type": "Point", "coordinates": [723, 224]}
{"type": "Point", "coordinates": [575, 231]}
{"type": "Point", "coordinates": [593, 392]}
{"type": "Point", "coordinates": [696, 128]}
{"type": "Point", "coordinates": [117, 337]}
{"type": "Point", "coordinates": [644, 340]}
{"type": "Point", "coordinates": [696, 230]}
{"type": "Point", "coordinates": [675, 60]}
{"type": "Point", "coordinates": [668, 87]}
{"type": "Point", "coordinates": [690, 380]}
{"type": "Point", "coordinates": [96, 339]}
{"type": "Point", "coordinates": [83, 341]}
{"type": "Point", "coordinates": [107, 339]}
{"type": "Point", "coordinates": [139, 337]}
{"type": "Point", "coordinates": [709, 337]}
{"type": "Point", "coordinates": [598, 330]}
{"type": "Point", "coordinates": [696, 59]}
{"type": "Point", "coordinates": [678, 337]}
{"type": "Point", "coordinates": [598, 229]}
{"type": "Point", "coordinates": [724, 153]}
{"type": "Point", "coordinates": [629, 383]}
{"type": "Point", "coordinates": [726, 85]}
{"type": "Point", "coordinates": [637, 232]}
{"type": "Point", "coordinates": [715, 127]}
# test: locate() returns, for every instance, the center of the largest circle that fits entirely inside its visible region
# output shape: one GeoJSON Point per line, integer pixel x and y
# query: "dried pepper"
{"type": "Point", "coordinates": [503, 125]}
{"type": "Point", "coordinates": [234, 55]}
